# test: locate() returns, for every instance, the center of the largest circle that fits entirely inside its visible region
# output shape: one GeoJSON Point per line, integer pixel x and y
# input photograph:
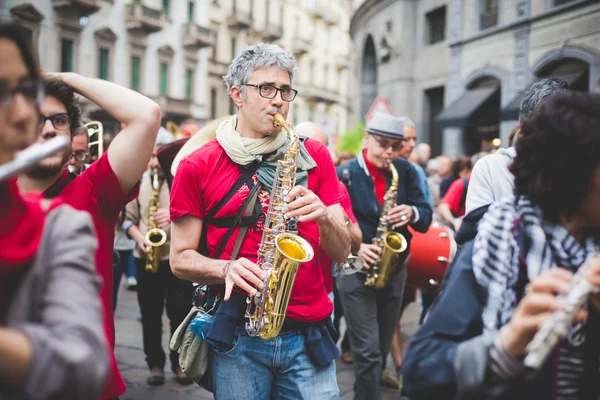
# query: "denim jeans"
{"type": "Point", "coordinates": [278, 368]}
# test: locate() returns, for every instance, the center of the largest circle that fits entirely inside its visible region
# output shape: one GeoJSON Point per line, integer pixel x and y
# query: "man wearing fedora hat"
{"type": "Point", "coordinates": [371, 314]}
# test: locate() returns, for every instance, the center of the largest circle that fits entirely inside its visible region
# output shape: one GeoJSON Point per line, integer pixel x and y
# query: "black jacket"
{"type": "Point", "coordinates": [367, 209]}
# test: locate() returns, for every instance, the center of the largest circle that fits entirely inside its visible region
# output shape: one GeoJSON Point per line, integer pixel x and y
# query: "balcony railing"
{"type": "Point", "coordinates": [239, 19]}
{"type": "Point", "coordinates": [144, 19]}
{"type": "Point", "coordinates": [343, 61]}
{"type": "Point", "coordinates": [272, 32]}
{"type": "Point", "coordinates": [317, 94]}
{"type": "Point", "coordinates": [79, 7]}
{"type": "Point", "coordinates": [330, 17]}
{"type": "Point", "coordinates": [196, 36]}
{"type": "Point", "coordinates": [173, 106]}
{"type": "Point", "coordinates": [300, 46]}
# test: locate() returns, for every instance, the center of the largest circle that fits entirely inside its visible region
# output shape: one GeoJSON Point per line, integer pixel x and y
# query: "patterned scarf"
{"type": "Point", "coordinates": [496, 267]}
{"type": "Point", "coordinates": [245, 151]}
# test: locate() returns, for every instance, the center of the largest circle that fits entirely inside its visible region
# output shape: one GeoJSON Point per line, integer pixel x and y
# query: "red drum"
{"type": "Point", "coordinates": [430, 255]}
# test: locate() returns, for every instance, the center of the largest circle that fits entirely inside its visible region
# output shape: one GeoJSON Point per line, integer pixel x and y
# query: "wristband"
{"type": "Point", "coordinates": [225, 269]}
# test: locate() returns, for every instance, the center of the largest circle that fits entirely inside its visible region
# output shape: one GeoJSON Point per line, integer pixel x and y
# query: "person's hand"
{"type": "Point", "coordinates": [593, 276]}
{"type": "Point", "coordinates": [305, 205]}
{"type": "Point", "coordinates": [244, 274]}
{"type": "Point", "coordinates": [369, 253]}
{"type": "Point", "coordinates": [161, 218]}
{"type": "Point", "coordinates": [142, 245]}
{"type": "Point", "coordinates": [535, 309]}
{"type": "Point", "coordinates": [400, 215]}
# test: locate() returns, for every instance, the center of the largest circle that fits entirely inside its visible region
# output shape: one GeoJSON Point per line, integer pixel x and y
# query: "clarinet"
{"type": "Point", "coordinates": [31, 156]}
{"type": "Point", "coordinates": [557, 327]}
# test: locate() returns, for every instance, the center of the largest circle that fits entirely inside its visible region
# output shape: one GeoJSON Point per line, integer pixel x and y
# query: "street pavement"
{"type": "Point", "coordinates": [132, 364]}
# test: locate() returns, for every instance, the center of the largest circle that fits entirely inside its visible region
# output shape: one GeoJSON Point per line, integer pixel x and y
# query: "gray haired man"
{"type": "Point", "coordinates": [299, 361]}
{"type": "Point", "coordinates": [490, 178]}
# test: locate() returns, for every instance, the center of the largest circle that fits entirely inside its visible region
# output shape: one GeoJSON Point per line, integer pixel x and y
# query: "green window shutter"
{"type": "Point", "coordinates": [164, 78]}
{"type": "Point", "coordinates": [191, 11]}
{"type": "Point", "coordinates": [66, 55]}
{"type": "Point", "coordinates": [166, 7]}
{"type": "Point", "coordinates": [135, 73]}
{"type": "Point", "coordinates": [103, 70]}
{"type": "Point", "coordinates": [189, 84]}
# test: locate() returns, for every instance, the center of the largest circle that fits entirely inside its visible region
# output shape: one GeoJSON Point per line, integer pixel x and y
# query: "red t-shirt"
{"type": "Point", "coordinates": [204, 178]}
{"type": "Point", "coordinates": [379, 178]}
{"type": "Point", "coordinates": [454, 195]}
{"type": "Point", "coordinates": [98, 191]}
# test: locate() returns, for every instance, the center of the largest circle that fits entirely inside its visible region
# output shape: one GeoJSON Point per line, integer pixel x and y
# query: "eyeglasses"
{"type": "Point", "coordinates": [60, 121]}
{"type": "Point", "coordinates": [80, 155]}
{"type": "Point", "coordinates": [384, 144]}
{"type": "Point", "coordinates": [31, 89]}
{"type": "Point", "coordinates": [269, 92]}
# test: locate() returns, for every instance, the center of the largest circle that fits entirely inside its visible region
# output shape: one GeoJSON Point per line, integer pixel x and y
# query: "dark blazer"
{"type": "Point", "coordinates": [367, 209]}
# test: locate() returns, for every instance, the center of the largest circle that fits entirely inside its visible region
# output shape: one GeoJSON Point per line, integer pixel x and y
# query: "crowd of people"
{"type": "Point", "coordinates": [261, 199]}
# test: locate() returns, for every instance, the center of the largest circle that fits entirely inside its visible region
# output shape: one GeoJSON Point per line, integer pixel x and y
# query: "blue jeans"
{"type": "Point", "coordinates": [279, 368]}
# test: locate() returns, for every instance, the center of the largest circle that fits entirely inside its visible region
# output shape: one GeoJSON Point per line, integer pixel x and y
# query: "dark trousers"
{"type": "Point", "coordinates": [152, 291]}
{"type": "Point", "coordinates": [372, 317]}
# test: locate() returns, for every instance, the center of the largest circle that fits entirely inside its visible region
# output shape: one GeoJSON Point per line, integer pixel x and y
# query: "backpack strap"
{"type": "Point", "coordinates": [463, 197]}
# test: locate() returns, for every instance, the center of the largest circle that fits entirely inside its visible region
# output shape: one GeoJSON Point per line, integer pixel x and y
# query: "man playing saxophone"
{"type": "Point", "coordinates": [372, 304]}
{"type": "Point", "coordinates": [211, 186]}
{"type": "Point", "coordinates": [156, 282]}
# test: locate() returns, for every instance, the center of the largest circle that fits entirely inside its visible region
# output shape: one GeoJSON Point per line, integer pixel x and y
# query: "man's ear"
{"type": "Point", "coordinates": [236, 96]}
{"type": "Point", "coordinates": [366, 135]}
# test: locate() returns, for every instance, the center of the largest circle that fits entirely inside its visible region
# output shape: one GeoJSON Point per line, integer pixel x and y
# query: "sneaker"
{"type": "Point", "coordinates": [156, 378]}
{"type": "Point", "coordinates": [387, 380]}
{"type": "Point", "coordinates": [182, 378]}
{"type": "Point", "coordinates": [130, 283]}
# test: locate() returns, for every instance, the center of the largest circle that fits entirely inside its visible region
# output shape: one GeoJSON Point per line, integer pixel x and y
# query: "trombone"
{"type": "Point", "coordinates": [95, 132]}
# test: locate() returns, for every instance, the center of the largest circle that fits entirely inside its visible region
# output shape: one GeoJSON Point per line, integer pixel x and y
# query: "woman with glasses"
{"type": "Point", "coordinates": [290, 365]}
{"type": "Point", "coordinates": [372, 314]}
{"type": "Point", "coordinates": [51, 341]}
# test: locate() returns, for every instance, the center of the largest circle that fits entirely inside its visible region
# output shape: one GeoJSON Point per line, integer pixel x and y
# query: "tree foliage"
{"type": "Point", "coordinates": [351, 140]}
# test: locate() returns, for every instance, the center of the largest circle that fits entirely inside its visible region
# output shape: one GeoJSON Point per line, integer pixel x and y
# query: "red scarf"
{"type": "Point", "coordinates": [21, 226]}
{"type": "Point", "coordinates": [379, 177]}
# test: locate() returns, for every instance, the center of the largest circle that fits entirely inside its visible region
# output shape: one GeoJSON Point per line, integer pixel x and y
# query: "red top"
{"type": "Point", "coordinates": [98, 191]}
{"type": "Point", "coordinates": [379, 177]}
{"type": "Point", "coordinates": [204, 178]}
{"type": "Point", "coordinates": [454, 195]}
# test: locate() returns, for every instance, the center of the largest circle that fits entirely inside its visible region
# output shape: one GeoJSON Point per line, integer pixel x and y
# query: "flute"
{"type": "Point", "coordinates": [32, 155]}
{"type": "Point", "coordinates": [557, 327]}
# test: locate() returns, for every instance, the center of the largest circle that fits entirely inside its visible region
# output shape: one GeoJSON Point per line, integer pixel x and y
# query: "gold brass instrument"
{"type": "Point", "coordinates": [280, 252]}
{"type": "Point", "coordinates": [389, 242]}
{"type": "Point", "coordinates": [95, 132]}
{"type": "Point", "coordinates": [352, 264]}
{"type": "Point", "coordinates": [155, 236]}
{"type": "Point", "coordinates": [174, 129]}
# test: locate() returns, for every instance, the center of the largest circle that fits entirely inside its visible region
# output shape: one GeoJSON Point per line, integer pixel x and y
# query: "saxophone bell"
{"type": "Point", "coordinates": [352, 265]}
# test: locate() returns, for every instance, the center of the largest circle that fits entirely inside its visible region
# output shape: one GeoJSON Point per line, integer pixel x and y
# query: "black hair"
{"type": "Point", "coordinates": [558, 153]}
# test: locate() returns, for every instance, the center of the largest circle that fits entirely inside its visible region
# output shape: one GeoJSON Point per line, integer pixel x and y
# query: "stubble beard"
{"type": "Point", "coordinates": [49, 166]}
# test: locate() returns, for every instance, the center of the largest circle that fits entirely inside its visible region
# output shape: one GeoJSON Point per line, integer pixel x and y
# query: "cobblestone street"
{"type": "Point", "coordinates": [131, 361]}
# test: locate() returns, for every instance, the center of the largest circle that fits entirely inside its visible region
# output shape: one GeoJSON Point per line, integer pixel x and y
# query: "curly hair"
{"type": "Point", "coordinates": [56, 87]}
{"type": "Point", "coordinates": [557, 153]}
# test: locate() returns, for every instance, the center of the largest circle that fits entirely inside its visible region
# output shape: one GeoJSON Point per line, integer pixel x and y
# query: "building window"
{"type": "Point", "coordinates": [297, 26]}
{"type": "Point", "coordinates": [233, 46]}
{"type": "Point", "coordinates": [190, 14]}
{"type": "Point", "coordinates": [267, 10]}
{"type": "Point", "coordinates": [251, 9]}
{"type": "Point", "coordinates": [436, 24]}
{"type": "Point", "coordinates": [164, 78]}
{"type": "Point", "coordinates": [166, 7]}
{"type": "Point", "coordinates": [311, 68]}
{"type": "Point", "coordinates": [213, 103]}
{"type": "Point", "coordinates": [325, 76]}
{"type": "Point", "coordinates": [66, 55]}
{"type": "Point", "coordinates": [488, 14]}
{"type": "Point", "coordinates": [311, 114]}
{"type": "Point", "coordinates": [189, 84]}
{"type": "Point", "coordinates": [326, 40]}
{"type": "Point", "coordinates": [103, 65]}
{"type": "Point", "coordinates": [135, 72]}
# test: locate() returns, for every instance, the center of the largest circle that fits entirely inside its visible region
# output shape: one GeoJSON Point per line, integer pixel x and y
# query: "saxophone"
{"type": "Point", "coordinates": [155, 236]}
{"type": "Point", "coordinates": [557, 327]}
{"type": "Point", "coordinates": [280, 252]}
{"type": "Point", "coordinates": [389, 242]}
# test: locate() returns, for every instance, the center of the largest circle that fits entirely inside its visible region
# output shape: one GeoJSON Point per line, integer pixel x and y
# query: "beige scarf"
{"type": "Point", "coordinates": [244, 151]}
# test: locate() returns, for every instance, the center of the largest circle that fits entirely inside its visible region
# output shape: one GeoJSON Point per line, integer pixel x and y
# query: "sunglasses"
{"type": "Point", "coordinates": [384, 144]}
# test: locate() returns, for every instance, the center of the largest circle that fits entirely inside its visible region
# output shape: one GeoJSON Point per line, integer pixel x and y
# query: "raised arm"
{"type": "Point", "coordinates": [131, 149]}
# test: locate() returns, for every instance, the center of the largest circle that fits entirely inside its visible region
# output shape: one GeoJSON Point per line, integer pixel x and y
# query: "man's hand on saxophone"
{"type": "Point", "coordinates": [161, 218]}
{"type": "Point", "coordinates": [244, 274]}
{"type": "Point", "coordinates": [400, 215]}
{"type": "Point", "coordinates": [369, 253]}
{"type": "Point", "coordinates": [536, 308]}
